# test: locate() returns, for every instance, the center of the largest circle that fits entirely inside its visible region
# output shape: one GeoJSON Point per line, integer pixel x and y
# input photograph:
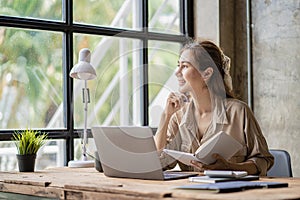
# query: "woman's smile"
{"type": "Point", "coordinates": [181, 82]}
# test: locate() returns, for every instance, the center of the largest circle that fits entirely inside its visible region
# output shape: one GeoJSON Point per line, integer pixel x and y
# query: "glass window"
{"type": "Point", "coordinates": [52, 154]}
{"type": "Point", "coordinates": [135, 68]}
{"type": "Point", "coordinates": [117, 13]}
{"type": "Point", "coordinates": [31, 79]}
{"type": "Point", "coordinates": [90, 149]}
{"type": "Point", "coordinates": [163, 57]}
{"type": "Point", "coordinates": [39, 9]}
{"type": "Point", "coordinates": [113, 94]}
{"type": "Point", "coordinates": [164, 16]}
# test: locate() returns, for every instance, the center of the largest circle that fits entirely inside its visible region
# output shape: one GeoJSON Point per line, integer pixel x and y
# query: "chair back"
{"type": "Point", "coordinates": [282, 164]}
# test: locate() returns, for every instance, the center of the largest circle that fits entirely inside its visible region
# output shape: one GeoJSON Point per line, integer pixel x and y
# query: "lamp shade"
{"type": "Point", "coordinates": [83, 69]}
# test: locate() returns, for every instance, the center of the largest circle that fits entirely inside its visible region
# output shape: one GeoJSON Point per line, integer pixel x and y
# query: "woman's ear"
{"type": "Point", "coordinates": [207, 73]}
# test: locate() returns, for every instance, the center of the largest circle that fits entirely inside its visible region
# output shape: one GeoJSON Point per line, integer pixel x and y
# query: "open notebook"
{"type": "Point", "coordinates": [221, 143]}
{"type": "Point", "coordinates": [130, 152]}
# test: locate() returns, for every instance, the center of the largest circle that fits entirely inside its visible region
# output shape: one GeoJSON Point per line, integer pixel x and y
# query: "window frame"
{"type": "Point", "coordinates": [68, 28]}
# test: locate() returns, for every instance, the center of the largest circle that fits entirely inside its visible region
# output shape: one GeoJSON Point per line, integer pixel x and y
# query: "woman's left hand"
{"type": "Point", "coordinates": [220, 164]}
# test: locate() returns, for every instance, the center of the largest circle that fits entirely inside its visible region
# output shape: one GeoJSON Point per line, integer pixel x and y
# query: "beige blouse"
{"type": "Point", "coordinates": [231, 116]}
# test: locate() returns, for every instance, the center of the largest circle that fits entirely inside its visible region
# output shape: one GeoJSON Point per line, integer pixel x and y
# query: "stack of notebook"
{"type": "Point", "coordinates": [228, 181]}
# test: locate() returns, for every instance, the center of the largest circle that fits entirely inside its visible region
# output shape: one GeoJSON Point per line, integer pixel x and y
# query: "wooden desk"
{"type": "Point", "coordinates": [67, 183]}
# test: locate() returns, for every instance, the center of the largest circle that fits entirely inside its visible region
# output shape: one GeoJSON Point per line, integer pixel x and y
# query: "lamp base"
{"type": "Point", "coordinates": [81, 163]}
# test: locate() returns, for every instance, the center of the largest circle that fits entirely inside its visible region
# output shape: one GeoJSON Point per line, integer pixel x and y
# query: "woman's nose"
{"type": "Point", "coordinates": [178, 72]}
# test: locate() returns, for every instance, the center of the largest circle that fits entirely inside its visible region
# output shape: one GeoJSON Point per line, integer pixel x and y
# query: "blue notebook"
{"type": "Point", "coordinates": [233, 186]}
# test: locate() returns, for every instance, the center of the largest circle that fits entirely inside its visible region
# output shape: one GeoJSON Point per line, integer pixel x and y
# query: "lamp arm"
{"type": "Point", "coordinates": [86, 100]}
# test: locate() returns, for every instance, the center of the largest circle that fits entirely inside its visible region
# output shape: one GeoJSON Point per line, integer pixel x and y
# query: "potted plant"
{"type": "Point", "coordinates": [28, 142]}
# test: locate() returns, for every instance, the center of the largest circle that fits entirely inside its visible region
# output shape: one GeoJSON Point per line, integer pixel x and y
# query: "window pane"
{"type": "Point", "coordinates": [31, 93]}
{"type": "Point", "coordinates": [114, 94]}
{"type": "Point", "coordinates": [164, 16]}
{"type": "Point", "coordinates": [90, 149]}
{"type": "Point", "coordinates": [41, 9]}
{"type": "Point", "coordinates": [50, 155]}
{"type": "Point", "coordinates": [116, 13]}
{"type": "Point", "coordinates": [163, 57]}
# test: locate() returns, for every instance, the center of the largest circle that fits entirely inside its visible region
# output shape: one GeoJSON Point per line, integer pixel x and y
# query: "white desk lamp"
{"type": "Point", "coordinates": [83, 70]}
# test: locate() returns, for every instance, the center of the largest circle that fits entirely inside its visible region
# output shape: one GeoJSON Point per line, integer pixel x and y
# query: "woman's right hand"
{"type": "Point", "coordinates": [175, 102]}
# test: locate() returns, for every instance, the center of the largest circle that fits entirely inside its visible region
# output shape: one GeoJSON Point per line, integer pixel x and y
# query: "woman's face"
{"type": "Point", "coordinates": [188, 76]}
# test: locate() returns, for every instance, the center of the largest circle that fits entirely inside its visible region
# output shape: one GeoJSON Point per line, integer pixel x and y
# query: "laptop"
{"type": "Point", "coordinates": [130, 152]}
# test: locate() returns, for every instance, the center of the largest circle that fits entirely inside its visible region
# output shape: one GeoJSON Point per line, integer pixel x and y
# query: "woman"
{"type": "Point", "coordinates": [205, 106]}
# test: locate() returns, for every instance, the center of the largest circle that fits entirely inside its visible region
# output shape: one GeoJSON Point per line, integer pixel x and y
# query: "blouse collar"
{"type": "Point", "coordinates": [219, 114]}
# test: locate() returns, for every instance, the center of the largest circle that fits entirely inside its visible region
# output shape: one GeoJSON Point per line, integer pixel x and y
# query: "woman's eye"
{"type": "Point", "coordinates": [182, 66]}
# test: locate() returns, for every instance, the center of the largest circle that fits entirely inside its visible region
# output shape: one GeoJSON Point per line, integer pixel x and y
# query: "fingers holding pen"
{"type": "Point", "coordinates": [175, 102]}
{"type": "Point", "coordinates": [175, 99]}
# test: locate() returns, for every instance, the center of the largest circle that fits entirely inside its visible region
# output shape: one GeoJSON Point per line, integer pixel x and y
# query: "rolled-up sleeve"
{"type": "Point", "coordinates": [258, 151]}
{"type": "Point", "coordinates": [173, 142]}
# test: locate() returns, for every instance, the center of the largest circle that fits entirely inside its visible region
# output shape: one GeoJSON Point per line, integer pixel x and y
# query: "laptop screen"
{"type": "Point", "coordinates": [127, 151]}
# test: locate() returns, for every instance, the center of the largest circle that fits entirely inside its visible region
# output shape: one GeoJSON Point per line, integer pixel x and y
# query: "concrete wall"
{"type": "Point", "coordinates": [275, 61]}
{"type": "Point", "coordinates": [207, 19]}
{"type": "Point", "coordinates": [276, 73]}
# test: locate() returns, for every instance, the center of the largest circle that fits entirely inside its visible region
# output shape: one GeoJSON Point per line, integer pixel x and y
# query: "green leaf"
{"type": "Point", "coordinates": [29, 141]}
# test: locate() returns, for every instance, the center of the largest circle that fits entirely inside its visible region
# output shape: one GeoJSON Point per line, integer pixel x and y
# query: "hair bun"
{"type": "Point", "coordinates": [226, 69]}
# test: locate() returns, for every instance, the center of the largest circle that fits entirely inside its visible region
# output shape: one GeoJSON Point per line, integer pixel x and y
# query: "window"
{"type": "Point", "coordinates": [134, 45]}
